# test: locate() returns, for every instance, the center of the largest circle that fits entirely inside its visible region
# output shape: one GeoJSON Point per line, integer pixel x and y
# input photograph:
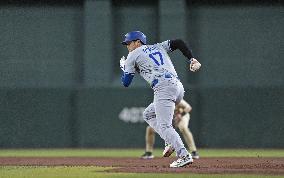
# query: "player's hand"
{"type": "Point", "coordinates": [194, 65]}
{"type": "Point", "coordinates": [122, 63]}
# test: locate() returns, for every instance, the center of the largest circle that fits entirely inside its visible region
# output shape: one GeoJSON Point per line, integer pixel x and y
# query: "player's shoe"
{"type": "Point", "coordinates": [147, 155]}
{"type": "Point", "coordinates": [195, 155]}
{"type": "Point", "coordinates": [168, 151]}
{"type": "Point", "coordinates": [183, 161]}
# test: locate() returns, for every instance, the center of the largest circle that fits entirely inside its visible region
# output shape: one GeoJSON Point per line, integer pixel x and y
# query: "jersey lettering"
{"type": "Point", "coordinates": [149, 49]}
{"type": "Point", "coordinates": [157, 56]}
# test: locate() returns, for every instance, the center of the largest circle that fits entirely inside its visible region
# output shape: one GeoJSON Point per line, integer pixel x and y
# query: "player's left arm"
{"type": "Point", "coordinates": [180, 44]}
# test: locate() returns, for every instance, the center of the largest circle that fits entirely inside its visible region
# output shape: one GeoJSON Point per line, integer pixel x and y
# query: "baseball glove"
{"type": "Point", "coordinates": [122, 63]}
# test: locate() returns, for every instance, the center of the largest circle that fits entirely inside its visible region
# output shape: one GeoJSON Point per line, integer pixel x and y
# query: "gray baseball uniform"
{"type": "Point", "coordinates": [153, 63]}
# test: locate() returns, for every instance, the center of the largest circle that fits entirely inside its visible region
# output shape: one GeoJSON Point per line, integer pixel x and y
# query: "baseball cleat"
{"type": "Point", "coordinates": [147, 155]}
{"type": "Point", "coordinates": [181, 162]}
{"type": "Point", "coordinates": [195, 155]}
{"type": "Point", "coordinates": [168, 151]}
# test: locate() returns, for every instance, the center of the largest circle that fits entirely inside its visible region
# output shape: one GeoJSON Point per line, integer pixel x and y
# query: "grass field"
{"type": "Point", "coordinates": [99, 172]}
{"type": "Point", "coordinates": [136, 152]}
{"type": "Point", "coordinates": [96, 172]}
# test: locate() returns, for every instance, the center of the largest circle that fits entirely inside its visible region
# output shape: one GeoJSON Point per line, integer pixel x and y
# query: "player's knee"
{"type": "Point", "coordinates": [148, 115]}
{"type": "Point", "coordinates": [145, 115]}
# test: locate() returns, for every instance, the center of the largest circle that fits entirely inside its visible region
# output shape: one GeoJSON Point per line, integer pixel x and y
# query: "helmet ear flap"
{"type": "Point", "coordinates": [142, 38]}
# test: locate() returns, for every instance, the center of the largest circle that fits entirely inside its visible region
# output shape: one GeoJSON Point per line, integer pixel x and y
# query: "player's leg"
{"type": "Point", "coordinates": [168, 147]}
{"type": "Point", "coordinates": [149, 116]}
{"type": "Point", "coordinates": [187, 135]}
{"type": "Point", "coordinates": [183, 159]}
{"type": "Point", "coordinates": [164, 113]}
{"type": "Point", "coordinates": [150, 140]}
{"type": "Point", "coordinates": [168, 150]}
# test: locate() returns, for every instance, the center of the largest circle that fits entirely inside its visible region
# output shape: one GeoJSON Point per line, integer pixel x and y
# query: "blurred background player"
{"type": "Point", "coordinates": [181, 120]}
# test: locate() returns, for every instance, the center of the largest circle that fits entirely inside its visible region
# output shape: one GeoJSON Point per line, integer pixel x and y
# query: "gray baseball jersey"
{"type": "Point", "coordinates": [151, 61]}
{"type": "Point", "coordinates": [154, 64]}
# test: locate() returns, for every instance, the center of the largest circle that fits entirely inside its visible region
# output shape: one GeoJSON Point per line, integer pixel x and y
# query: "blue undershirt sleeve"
{"type": "Point", "coordinates": [126, 78]}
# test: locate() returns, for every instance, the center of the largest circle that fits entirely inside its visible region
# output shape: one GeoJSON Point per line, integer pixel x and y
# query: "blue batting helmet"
{"type": "Point", "coordinates": [134, 35]}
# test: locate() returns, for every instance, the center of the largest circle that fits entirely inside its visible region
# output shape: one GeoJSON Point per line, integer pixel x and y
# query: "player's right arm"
{"type": "Point", "coordinates": [129, 70]}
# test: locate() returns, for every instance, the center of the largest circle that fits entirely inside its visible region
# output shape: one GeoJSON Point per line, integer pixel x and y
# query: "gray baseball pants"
{"type": "Point", "coordinates": [159, 114]}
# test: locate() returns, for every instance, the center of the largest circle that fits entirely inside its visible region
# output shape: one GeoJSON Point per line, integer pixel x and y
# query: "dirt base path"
{"type": "Point", "coordinates": [260, 166]}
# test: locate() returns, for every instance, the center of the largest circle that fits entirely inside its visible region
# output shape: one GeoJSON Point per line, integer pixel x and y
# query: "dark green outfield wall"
{"type": "Point", "coordinates": [222, 117]}
{"type": "Point", "coordinates": [35, 118]}
{"type": "Point", "coordinates": [60, 80]}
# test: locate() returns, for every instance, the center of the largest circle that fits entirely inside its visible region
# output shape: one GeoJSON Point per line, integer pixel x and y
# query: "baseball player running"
{"type": "Point", "coordinates": [153, 63]}
{"type": "Point", "coordinates": [181, 120]}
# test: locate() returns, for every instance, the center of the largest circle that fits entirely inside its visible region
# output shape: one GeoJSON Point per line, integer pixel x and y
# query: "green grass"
{"type": "Point", "coordinates": [136, 152]}
{"type": "Point", "coordinates": [98, 172]}
{"type": "Point", "coordinates": [95, 172]}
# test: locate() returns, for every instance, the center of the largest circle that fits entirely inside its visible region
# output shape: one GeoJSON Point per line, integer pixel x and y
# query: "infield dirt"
{"type": "Point", "coordinates": [260, 166]}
